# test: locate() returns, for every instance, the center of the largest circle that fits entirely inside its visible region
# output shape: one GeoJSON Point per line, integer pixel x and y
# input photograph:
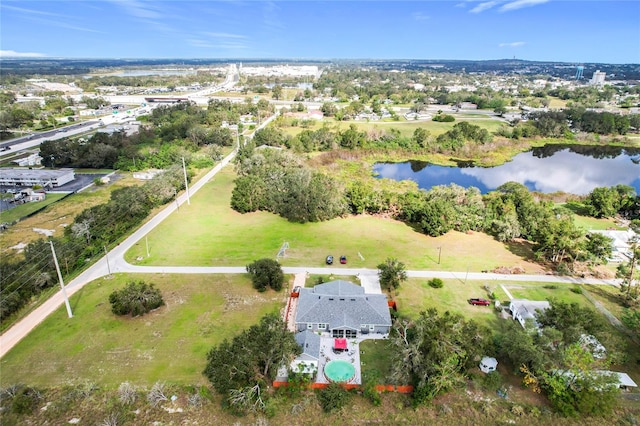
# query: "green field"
{"type": "Point", "coordinates": [26, 209]}
{"type": "Point", "coordinates": [405, 127]}
{"type": "Point", "coordinates": [209, 233]}
{"type": "Point", "coordinates": [415, 296]}
{"type": "Point", "coordinates": [169, 344]}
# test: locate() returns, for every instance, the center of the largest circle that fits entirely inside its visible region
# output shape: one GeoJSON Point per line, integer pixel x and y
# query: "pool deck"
{"type": "Point", "coordinates": [352, 355]}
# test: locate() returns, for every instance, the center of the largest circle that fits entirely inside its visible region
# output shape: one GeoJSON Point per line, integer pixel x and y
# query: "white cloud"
{"type": "Point", "coordinates": [484, 6]}
{"type": "Point", "coordinates": [29, 11]}
{"type": "Point", "coordinates": [519, 4]}
{"type": "Point", "coordinates": [420, 16]}
{"type": "Point", "coordinates": [225, 35]}
{"type": "Point", "coordinates": [512, 44]}
{"type": "Point", "coordinates": [14, 54]}
{"type": "Point", "coordinates": [138, 9]}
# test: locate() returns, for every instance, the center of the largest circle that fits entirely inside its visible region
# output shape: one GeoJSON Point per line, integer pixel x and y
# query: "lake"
{"type": "Point", "coordinates": [575, 169]}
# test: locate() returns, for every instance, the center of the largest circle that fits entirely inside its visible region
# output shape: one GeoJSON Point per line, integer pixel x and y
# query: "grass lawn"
{"type": "Point", "coordinates": [375, 359]}
{"type": "Point", "coordinates": [28, 208]}
{"type": "Point", "coordinates": [540, 291]}
{"type": "Point", "coordinates": [415, 295]}
{"type": "Point", "coordinates": [406, 128]}
{"type": "Point", "coordinates": [169, 344]}
{"type": "Point", "coordinates": [594, 224]}
{"type": "Point", "coordinates": [209, 233]}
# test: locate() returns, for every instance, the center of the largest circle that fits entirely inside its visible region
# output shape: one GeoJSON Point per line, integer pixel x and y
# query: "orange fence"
{"type": "Point", "coordinates": [379, 388]}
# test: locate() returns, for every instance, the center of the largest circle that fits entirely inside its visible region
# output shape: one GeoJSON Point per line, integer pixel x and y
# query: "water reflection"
{"type": "Point", "coordinates": [575, 170]}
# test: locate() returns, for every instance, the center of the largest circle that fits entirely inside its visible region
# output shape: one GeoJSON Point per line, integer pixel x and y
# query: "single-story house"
{"type": "Point", "coordinates": [488, 364]}
{"type": "Point", "coordinates": [307, 361]}
{"type": "Point", "coordinates": [523, 309]}
{"type": "Point", "coordinates": [342, 309]}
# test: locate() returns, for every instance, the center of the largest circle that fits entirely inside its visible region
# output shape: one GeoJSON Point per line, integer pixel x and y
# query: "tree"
{"type": "Point", "coordinates": [276, 92]}
{"type": "Point", "coordinates": [250, 359]}
{"type": "Point", "coordinates": [603, 202]}
{"type": "Point", "coordinates": [435, 351]}
{"type": "Point", "coordinates": [266, 273]}
{"type": "Point", "coordinates": [629, 273]}
{"type": "Point", "coordinates": [598, 246]}
{"type": "Point", "coordinates": [136, 298]}
{"type": "Point", "coordinates": [392, 273]}
{"type": "Point", "coordinates": [421, 137]}
{"type": "Point", "coordinates": [576, 387]}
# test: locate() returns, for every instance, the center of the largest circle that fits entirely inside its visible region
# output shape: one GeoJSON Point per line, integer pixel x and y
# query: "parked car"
{"type": "Point", "coordinates": [343, 259]}
{"type": "Point", "coordinates": [479, 301]}
{"type": "Point", "coordinates": [329, 260]}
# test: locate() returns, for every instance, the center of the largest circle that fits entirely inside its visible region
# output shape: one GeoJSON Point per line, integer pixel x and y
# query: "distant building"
{"type": "Point", "coordinates": [28, 178]}
{"type": "Point", "coordinates": [31, 160]}
{"type": "Point", "coordinates": [598, 78]}
{"type": "Point", "coordinates": [146, 175]}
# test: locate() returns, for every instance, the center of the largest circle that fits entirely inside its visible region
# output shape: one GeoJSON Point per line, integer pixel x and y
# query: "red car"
{"type": "Point", "coordinates": [478, 301]}
{"type": "Point", "coordinates": [343, 260]}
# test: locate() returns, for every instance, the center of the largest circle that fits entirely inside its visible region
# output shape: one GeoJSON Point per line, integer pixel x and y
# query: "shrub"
{"type": "Point", "coordinates": [266, 273]}
{"type": "Point", "coordinates": [333, 397]}
{"type": "Point", "coordinates": [444, 118]}
{"type": "Point", "coordinates": [492, 381]}
{"type": "Point", "coordinates": [550, 286]}
{"type": "Point", "coordinates": [576, 290]}
{"type": "Point", "coordinates": [137, 298]}
{"type": "Point", "coordinates": [25, 400]}
{"type": "Point", "coordinates": [436, 283]}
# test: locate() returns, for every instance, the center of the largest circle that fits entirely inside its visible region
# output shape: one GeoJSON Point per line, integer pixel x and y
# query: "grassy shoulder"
{"type": "Point", "coordinates": [210, 233]}
{"type": "Point", "coordinates": [169, 344]}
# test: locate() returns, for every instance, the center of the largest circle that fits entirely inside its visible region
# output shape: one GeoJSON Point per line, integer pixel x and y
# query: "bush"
{"type": "Point", "coordinates": [436, 283]}
{"type": "Point", "coordinates": [444, 118]}
{"type": "Point", "coordinates": [492, 381]}
{"type": "Point", "coordinates": [333, 397]}
{"type": "Point", "coordinates": [266, 273]}
{"type": "Point", "coordinates": [25, 400]}
{"type": "Point", "coordinates": [576, 290]}
{"type": "Point", "coordinates": [137, 298]}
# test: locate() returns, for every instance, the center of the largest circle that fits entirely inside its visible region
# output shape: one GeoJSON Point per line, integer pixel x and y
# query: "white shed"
{"type": "Point", "coordinates": [488, 364]}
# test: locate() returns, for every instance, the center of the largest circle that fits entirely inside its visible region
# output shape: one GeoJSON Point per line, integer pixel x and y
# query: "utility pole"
{"type": "Point", "coordinates": [106, 256]}
{"type": "Point", "coordinates": [186, 184]}
{"type": "Point", "coordinates": [64, 292]}
{"type": "Point", "coordinates": [146, 241]}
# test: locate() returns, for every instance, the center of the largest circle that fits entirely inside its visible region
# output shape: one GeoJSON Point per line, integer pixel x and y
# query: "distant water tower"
{"type": "Point", "coordinates": [579, 72]}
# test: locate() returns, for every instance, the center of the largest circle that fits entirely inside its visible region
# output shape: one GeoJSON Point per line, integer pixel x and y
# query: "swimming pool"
{"type": "Point", "coordinates": [339, 371]}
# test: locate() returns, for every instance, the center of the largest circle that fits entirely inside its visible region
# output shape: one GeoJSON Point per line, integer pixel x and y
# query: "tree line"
{"type": "Point", "coordinates": [278, 182]}
{"type": "Point", "coordinates": [95, 228]}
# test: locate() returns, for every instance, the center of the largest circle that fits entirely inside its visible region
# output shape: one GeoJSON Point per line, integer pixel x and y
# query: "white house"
{"type": "Point", "coordinates": [523, 309]}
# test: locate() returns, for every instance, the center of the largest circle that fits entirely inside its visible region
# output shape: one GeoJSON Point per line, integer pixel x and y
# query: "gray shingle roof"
{"type": "Point", "coordinates": [342, 304]}
{"type": "Point", "coordinates": [310, 343]}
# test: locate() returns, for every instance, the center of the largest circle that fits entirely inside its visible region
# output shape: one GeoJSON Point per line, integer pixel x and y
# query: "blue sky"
{"type": "Point", "coordinates": [569, 30]}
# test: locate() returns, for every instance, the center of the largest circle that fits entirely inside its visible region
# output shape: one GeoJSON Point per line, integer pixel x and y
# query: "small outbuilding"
{"type": "Point", "coordinates": [488, 364]}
